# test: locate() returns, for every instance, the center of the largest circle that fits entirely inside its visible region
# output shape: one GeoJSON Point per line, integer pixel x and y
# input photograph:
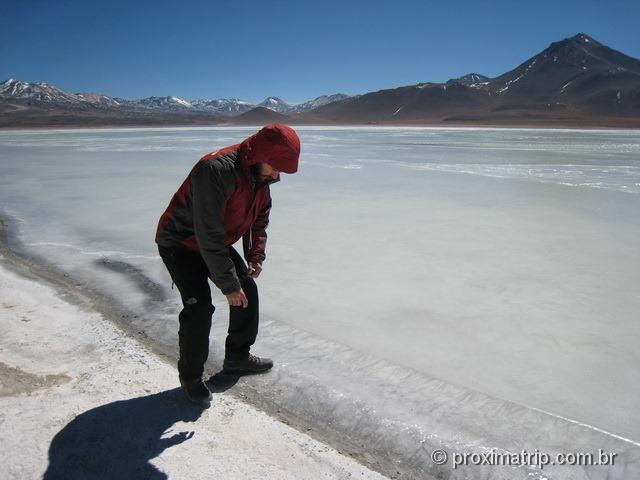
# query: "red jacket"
{"type": "Point", "coordinates": [221, 201]}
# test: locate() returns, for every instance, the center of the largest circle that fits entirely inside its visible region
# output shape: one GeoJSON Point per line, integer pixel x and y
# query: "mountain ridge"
{"type": "Point", "coordinates": [40, 93]}
{"type": "Point", "coordinates": [574, 81]}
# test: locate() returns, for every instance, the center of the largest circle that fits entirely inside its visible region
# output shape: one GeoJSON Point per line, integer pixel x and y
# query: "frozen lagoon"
{"type": "Point", "coordinates": [406, 266]}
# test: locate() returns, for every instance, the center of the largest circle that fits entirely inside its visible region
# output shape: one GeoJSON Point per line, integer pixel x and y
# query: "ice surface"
{"type": "Point", "coordinates": [501, 263]}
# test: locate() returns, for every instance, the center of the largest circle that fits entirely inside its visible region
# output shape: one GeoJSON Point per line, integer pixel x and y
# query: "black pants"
{"type": "Point", "coordinates": [191, 275]}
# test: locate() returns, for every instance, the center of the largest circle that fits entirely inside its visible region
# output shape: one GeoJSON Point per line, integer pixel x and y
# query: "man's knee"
{"type": "Point", "coordinates": [198, 307]}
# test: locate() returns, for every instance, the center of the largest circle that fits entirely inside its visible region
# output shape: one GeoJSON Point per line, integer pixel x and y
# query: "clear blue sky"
{"type": "Point", "coordinates": [295, 50]}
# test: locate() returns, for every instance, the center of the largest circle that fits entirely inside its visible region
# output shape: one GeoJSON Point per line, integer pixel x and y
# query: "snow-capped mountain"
{"type": "Point", "coordinates": [37, 93]}
{"type": "Point", "coordinates": [99, 99]}
{"type": "Point", "coordinates": [234, 106]}
{"type": "Point", "coordinates": [276, 104]}
{"type": "Point", "coordinates": [46, 96]}
{"type": "Point", "coordinates": [223, 106]}
{"type": "Point", "coordinates": [43, 95]}
{"type": "Point", "coordinates": [318, 102]}
{"type": "Point", "coordinates": [165, 102]}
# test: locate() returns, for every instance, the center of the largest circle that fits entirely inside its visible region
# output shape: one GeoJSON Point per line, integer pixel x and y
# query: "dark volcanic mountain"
{"type": "Point", "coordinates": [578, 73]}
{"type": "Point", "coordinates": [425, 101]}
{"type": "Point", "coordinates": [576, 80]}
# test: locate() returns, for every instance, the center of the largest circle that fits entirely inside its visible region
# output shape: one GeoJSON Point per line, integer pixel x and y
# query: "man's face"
{"type": "Point", "coordinates": [266, 172]}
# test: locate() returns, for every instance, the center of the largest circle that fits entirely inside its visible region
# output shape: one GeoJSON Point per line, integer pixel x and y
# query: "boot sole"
{"type": "Point", "coordinates": [244, 371]}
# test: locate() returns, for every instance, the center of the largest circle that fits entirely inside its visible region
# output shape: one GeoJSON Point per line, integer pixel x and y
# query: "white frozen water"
{"type": "Point", "coordinates": [502, 261]}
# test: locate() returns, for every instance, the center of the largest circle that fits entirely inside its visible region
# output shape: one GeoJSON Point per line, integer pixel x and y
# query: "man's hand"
{"type": "Point", "coordinates": [238, 299]}
{"type": "Point", "coordinates": [254, 269]}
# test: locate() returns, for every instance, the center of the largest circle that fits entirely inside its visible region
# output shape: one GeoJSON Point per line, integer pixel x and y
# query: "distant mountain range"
{"type": "Point", "coordinates": [43, 95]}
{"type": "Point", "coordinates": [576, 81]}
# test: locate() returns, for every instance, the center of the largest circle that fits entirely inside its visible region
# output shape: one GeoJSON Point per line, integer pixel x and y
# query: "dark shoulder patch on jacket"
{"type": "Point", "coordinates": [224, 167]}
{"type": "Point", "coordinates": [225, 162]}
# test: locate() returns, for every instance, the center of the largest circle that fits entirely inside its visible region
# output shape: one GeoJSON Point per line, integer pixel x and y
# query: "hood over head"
{"type": "Point", "coordinates": [275, 144]}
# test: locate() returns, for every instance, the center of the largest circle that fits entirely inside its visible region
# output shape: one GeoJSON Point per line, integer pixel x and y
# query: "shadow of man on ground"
{"type": "Point", "coordinates": [117, 440]}
{"type": "Point", "coordinates": [222, 381]}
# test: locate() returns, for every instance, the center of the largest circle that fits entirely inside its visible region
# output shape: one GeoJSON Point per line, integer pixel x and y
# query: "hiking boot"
{"type": "Point", "coordinates": [251, 364]}
{"type": "Point", "coordinates": [196, 391]}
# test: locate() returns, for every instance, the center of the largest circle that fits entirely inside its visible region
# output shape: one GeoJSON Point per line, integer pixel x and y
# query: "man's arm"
{"type": "Point", "coordinates": [211, 187]}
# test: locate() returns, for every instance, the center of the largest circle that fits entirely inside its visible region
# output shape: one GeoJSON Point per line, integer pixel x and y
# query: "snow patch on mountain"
{"type": "Point", "coordinates": [474, 80]}
{"type": "Point", "coordinates": [165, 102]}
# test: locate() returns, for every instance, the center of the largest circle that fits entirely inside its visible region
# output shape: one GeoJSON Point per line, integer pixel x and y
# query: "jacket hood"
{"type": "Point", "coordinates": [275, 144]}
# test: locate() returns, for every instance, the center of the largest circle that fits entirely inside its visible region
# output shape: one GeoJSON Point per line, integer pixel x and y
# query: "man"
{"type": "Point", "coordinates": [224, 198]}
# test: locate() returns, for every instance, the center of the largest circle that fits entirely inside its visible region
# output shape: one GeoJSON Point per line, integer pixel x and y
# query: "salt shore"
{"type": "Point", "coordinates": [81, 399]}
